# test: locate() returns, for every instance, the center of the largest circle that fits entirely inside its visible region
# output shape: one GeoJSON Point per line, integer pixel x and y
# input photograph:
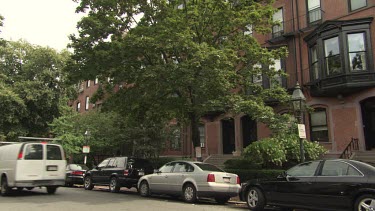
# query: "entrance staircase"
{"type": "Point", "coordinates": [365, 156]}
{"type": "Point", "coordinates": [218, 160]}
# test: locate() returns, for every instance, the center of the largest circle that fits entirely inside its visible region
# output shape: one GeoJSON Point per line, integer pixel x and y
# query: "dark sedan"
{"type": "Point", "coordinates": [75, 174]}
{"type": "Point", "coordinates": [319, 185]}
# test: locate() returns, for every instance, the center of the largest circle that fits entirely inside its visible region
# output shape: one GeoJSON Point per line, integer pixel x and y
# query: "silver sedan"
{"type": "Point", "coordinates": [191, 180]}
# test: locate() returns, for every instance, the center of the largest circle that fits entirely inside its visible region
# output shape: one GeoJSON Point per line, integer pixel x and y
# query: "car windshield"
{"type": "Point", "coordinates": [208, 167]}
{"type": "Point", "coordinates": [76, 167]}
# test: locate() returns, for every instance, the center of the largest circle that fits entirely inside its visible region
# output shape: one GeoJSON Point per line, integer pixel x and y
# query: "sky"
{"type": "Point", "coordinates": [40, 22]}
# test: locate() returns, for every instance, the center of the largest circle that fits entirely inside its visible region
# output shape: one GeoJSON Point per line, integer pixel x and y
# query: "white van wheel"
{"type": "Point", "coordinates": [5, 189]}
{"type": "Point", "coordinates": [51, 190]}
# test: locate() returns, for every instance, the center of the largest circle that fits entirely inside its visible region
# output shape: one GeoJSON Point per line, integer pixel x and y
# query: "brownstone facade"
{"type": "Point", "coordinates": [331, 54]}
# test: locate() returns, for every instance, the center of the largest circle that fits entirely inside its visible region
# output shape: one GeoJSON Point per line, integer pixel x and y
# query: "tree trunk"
{"type": "Point", "coordinates": [195, 136]}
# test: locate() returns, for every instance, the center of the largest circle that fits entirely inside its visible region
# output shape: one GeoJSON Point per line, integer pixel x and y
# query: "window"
{"type": "Point", "coordinates": [176, 141]}
{"type": "Point", "coordinates": [314, 11]}
{"type": "Point", "coordinates": [96, 81]}
{"type": "Point", "coordinates": [208, 167]}
{"type": "Point", "coordinates": [87, 103]}
{"type": "Point", "coordinates": [357, 4]}
{"type": "Point", "coordinates": [78, 108]}
{"type": "Point", "coordinates": [304, 170]}
{"type": "Point", "coordinates": [202, 135]}
{"type": "Point", "coordinates": [248, 30]}
{"type": "Point", "coordinates": [314, 67]}
{"type": "Point", "coordinates": [340, 47]}
{"type": "Point", "coordinates": [278, 29]}
{"type": "Point", "coordinates": [258, 79]}
{"type": "Point", "coordinates": [103, 163]}
{"type": "Point", "coordinates": [277, 78]}
{"type": "Point", "coordinates": [332, 56]}
{"type": "Point", "coordinates": [34, 152]}
{"type": "Point", "coordinates": [53, 152]}
{"type": "Point", "coordinates": [88, 83]}
{"type": "Point", "coordinates": [339, 168]}
{"type": "Point", "coordinates": [167, 168]}
{"type": "Point", "coordinates": [357, 51]}
{"type": "Point", "coordinates": [318, 125]}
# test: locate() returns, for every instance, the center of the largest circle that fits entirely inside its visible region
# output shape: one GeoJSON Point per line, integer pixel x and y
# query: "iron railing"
{"type": "Point", "coordinates": [348, 151]}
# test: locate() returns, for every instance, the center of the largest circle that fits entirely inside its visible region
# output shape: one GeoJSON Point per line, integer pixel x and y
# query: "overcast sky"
{"type": "Point", "coordinates": [40, 22]}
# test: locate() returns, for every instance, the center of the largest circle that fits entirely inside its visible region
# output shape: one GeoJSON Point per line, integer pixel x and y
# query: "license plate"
{"type": "Point", "coordinates": [51, 168]}
{"type": "Point", "coordinates": [226, 179]}
{"type": "Point", "coordinates": [141, 173]}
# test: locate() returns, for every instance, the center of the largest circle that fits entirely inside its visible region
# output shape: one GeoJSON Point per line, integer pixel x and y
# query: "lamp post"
{"type": "Point", "coordinates": [86, 148]}
{"type": "Point", "coordinates": [299, 101]}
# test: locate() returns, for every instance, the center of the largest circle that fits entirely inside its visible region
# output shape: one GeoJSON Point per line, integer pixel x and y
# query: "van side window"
{"type": "Point", "coordinates": [53, 152]}
{"type": "Point", "coordinates": [34, 152]}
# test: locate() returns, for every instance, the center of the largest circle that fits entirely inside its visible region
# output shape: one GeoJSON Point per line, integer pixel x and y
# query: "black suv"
{"type": "Point", "coordinates": [117, 172]}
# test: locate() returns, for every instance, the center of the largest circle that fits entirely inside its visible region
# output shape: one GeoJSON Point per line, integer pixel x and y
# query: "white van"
{"type": "Point", "coordinates": [29, 165]}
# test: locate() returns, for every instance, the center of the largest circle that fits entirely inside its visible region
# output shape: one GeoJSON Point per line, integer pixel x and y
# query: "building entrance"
{"type": "Point", "coordinates": [368, 118]}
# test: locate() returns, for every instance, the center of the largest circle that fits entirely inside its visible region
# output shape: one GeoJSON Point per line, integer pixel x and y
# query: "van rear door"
{"type": "Point", "coordinates": [55, 162]}
{"type": "Point", "coordinates": [30, 164]}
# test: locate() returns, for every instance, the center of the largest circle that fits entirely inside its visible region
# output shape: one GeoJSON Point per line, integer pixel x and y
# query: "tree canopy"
{"type": "Point", "coordinates": [178, 59]}
{"type": "Point", "coordinates": [31, 87]}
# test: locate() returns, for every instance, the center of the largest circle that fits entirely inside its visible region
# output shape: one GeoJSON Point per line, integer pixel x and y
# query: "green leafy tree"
{"type": "Point", "coordinates": [33, 82]}
{"type": "Point", "coordinates": [178, 59]}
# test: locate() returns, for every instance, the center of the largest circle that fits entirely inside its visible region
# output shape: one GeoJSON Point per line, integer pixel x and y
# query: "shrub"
{"type": "Point", "coordinates": [282, 150]}
{"type": "Point", "coordinates": [241, 164]}
{"type": "Point", "coordinates": [248, 174]}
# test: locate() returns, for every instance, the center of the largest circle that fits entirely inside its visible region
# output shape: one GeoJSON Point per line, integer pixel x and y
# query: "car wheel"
{"type": "Point", "coordinates": [144, 189]}
{"type": "Point", "coordinates": [189, 193]}
{"type": "Point", "coordinates": [5, 189]}
{"type": "Point", "coordinates": [88, 183]}
{"type": "Point", "coordinates": [222, 200]}
{"type": "Point", "coordinates": [114, 186]}
{"type": "Point", "coordinates": [255, 199]}
{"type": "Point", "coordinates": [51, 190]}
{"type": "Point", "coordinates": [365, 202]}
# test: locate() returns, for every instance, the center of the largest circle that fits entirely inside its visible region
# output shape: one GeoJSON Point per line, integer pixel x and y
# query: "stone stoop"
{"type": "Point", "coordinates": [365, 156]}
{"type": "Point", "coordinates": [218, 160]}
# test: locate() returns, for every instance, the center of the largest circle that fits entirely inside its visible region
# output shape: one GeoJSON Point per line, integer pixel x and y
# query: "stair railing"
{"type": "Point", "coordinates": [348, 151]}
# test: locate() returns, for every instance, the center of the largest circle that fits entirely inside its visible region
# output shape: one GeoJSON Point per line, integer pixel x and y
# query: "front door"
{"type": "Point", "coordinates": [249, 131]}
{"type": "Point", "coordinates": [228, 135]}
{"type": "Point", "coordinates": [368, 118]}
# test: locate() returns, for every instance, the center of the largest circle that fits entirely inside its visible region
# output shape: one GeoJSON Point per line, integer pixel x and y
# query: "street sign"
{"type": "Point", "coordinates": [301, 131]}
{"type": "Point", "coordinates": [86, 149]}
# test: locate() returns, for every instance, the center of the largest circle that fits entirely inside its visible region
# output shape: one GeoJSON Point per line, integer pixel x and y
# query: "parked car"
{"type": "Point", "coordinates": [191, 180]}
{"type": "Point", "coordinates": [117, 172]}
{"type": "Point", "coordinates": [29, 165]}
{"type": "Point", "coordinates": [337, 184]}
{"type": "Point", "coordinates": [75, 174]}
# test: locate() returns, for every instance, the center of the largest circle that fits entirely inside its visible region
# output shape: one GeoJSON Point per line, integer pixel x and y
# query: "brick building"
{"type": "Point", "coordinates": [330, 46]}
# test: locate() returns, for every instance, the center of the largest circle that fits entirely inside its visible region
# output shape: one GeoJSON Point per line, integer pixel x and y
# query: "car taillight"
{"type": "Point", "coordinates": [20, 155]}
{"type": "Point", "coordinates": [238, 180]}
{"type": "Point", "coordinates": [126, 172]}
{"type": "Point", "coordinates": [77, 173]}
{"type": "Point", "coordinates": [211, 178]}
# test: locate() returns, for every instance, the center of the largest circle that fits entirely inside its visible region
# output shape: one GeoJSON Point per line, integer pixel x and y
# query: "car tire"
{"type": "Point", "coordinates": [144, 189]}
{"type": "Point", "coordinates": [5, 189]}
{"type": "Point", "coordinates": [51, 190]}
{"type": "Point", "coordinates": [364, 202]}
{"type": "Point", "coordinates": [222, 200]}
{"type": "Point", "coordinates": [88, 183]}
{"type": "Point", "coordinates": [114, 185]}
{"type": "Point", "coordinates": [189, 193]}
{"type": "Point", "coordinates": [255, 199]}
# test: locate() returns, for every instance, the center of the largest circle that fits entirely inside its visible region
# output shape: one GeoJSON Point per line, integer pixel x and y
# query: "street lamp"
{"type": "Point", "coordinates": [298, 102]}
{"type": "Point", "coordinates": [86, 148]}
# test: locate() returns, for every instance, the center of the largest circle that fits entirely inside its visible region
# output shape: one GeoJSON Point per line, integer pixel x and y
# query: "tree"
{"type": "Point", "coordinates": [2, 41]}
{"type": "Point", "coordinates": [182, 59]}
{"type": "Point", "coordinates": [32, 84]}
